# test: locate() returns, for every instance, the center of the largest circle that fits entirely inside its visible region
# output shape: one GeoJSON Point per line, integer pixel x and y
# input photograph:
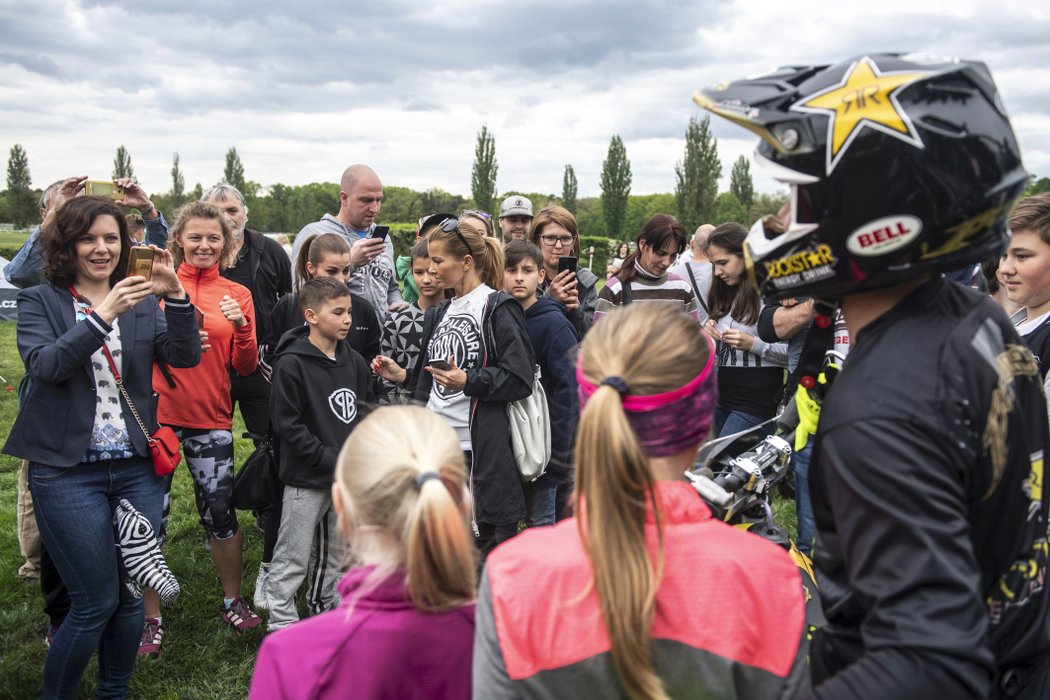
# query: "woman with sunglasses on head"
{"type": "Point", "coordinates": [79, 433]}
{"type": "Point", "coordinates": [481, 220]}
{"type": "Point", "coordinates": [642, 594]}
{"type": "Point", "coordinates": [644, 277]}
{"type": "Point", "coordinates": [554, 231]}
{"type": "Point", "coordinates": [476, 359]}
{"type": "Point", "coordinates": [751, 372]}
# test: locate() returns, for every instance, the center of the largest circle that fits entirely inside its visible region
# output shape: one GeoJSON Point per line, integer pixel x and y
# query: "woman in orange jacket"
{"type": "Point", "coordinates": [196, 402]}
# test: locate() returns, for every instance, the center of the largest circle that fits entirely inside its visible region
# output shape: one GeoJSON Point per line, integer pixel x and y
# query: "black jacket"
{"type": "Point", "coordinates": [930, 508]}
{"type": "Point", "coordinates": [314, 404]}
{"type": "Point", "coordinates": [505, 375]}
{"type": "Point", "coordinates": [365, 336]}
{"type": "Point", "coordinates": [554, 341]}
{"type": "Point", "coordinates": [267, 273]}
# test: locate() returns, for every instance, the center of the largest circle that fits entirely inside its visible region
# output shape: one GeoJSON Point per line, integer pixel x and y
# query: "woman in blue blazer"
{"type": "Point", "coordinates": [85, 449]}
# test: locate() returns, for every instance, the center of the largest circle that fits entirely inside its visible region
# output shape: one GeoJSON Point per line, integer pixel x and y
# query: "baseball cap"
{"type": "Point", "coordinates": [516, 206]}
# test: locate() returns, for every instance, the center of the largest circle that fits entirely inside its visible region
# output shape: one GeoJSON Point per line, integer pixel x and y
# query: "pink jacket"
{"type": "Point", "coordinates": [382, 648]}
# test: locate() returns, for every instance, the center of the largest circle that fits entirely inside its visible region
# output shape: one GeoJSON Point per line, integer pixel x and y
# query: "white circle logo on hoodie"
{"type": "Point", "coordinates": [343, 403]}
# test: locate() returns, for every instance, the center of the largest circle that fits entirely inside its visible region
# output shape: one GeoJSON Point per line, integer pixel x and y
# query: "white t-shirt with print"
{"type": "Point", "coordinates": [458, 335]}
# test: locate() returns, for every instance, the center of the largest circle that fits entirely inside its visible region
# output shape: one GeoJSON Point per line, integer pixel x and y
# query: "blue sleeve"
{"type": "Point", "coordinates": [26, 269]}
{"type": "Point", "coordinates": [563, 399]}
{"type": "Point", "coordinates": [157, 231]}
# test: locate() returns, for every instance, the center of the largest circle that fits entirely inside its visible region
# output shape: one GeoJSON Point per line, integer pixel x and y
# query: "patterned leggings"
{"type": "Point", "coordinates": [209, 458]}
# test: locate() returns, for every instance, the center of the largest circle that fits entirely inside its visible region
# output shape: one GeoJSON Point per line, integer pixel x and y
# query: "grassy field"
{"type": "Point", "coordinates": [202, 659]}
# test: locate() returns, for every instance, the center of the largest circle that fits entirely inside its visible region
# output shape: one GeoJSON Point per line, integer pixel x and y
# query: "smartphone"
{"type": "Point", "coordinates": [140, 261]}
{"type": "Point", "coordinates": [200, 318]}
{"type": "Point", "coordinates": [379, 232]}
{"type": "Point", "coordinates": [104, 188]}
{"type": "Point", "coordinates": [566, 263]}
{"type": "Point", "coordinates": [442, 365]}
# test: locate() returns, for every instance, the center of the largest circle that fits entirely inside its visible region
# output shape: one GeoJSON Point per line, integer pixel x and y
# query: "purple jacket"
{"type": "Point", "coordinates": [384, 648]}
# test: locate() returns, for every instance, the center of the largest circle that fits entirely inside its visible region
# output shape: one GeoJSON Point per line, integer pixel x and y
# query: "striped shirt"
{"type": "Point", "coordinates": [666, 289]}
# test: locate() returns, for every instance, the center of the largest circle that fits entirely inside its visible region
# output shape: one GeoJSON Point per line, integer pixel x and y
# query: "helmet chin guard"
{"type": "Point", "coordinates": [898, 165]}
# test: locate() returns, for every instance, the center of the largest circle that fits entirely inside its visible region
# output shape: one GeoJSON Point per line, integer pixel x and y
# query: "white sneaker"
{"type": "Point", "coordinates": [260, 598]}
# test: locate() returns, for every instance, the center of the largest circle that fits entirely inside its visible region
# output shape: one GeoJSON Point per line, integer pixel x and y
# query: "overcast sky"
{"type": "Point", "coordinates": [307, 87]}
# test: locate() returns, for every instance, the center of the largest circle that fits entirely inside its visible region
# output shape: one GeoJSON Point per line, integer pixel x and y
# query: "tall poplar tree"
{"type": "Point", "coordinates": [696, 176]}
{"type": "Point", "coordinates": [234, 171]}
{"type": "Point", "coordinates": [483, 174]}
{"type": "Point", "coordinates": [122, 164]}
{"type": "Point", "coordinates": [569, 189]}
{"type": "Point", "coordinates": [21, 204]}
{"type": "Point", "coordinates": [616, 188]}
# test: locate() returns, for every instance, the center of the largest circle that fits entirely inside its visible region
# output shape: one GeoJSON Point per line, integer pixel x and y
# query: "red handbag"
{"type": "Point", "coordinates": [164, 446]}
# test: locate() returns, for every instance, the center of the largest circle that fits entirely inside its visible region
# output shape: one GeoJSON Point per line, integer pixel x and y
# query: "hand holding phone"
{"type": "Point", "coordinates": [567, 262]}
{"type": "Point", "coordinates": [442, 365]}
{"type": "Point", "coordinates": [140, 262]}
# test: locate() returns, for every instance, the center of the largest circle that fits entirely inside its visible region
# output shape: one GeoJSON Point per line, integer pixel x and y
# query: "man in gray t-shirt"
{"type": "Point", "coordinates": [698, 269]}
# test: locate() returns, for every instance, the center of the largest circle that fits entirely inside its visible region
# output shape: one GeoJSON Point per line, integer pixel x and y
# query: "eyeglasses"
{"type": "Point", "coordinates": [478, 213]}
{"type": "Point", "coordinates": [554, 240]}
{"type": "Point", "coordinates": [451, 225]}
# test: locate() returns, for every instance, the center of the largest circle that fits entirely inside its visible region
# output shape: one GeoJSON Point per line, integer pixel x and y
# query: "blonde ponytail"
{"type": "Point", "coordinates": [653, 349]}
{"type": "Point", "coordinates": [402, 473]}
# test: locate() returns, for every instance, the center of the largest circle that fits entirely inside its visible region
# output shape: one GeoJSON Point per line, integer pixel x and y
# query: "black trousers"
{"type": "Point", "coordinates": [252, 393]}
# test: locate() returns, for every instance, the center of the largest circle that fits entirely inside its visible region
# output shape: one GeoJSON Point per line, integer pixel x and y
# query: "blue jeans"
{"type": "Point", "coordinates": [730, 422]}
{"type": "Point", "coordinates": [803, 504]}
{"type": "Point", "coordinates": [74, 510]}
{"type": "Point", "coordinates": [539, 500]}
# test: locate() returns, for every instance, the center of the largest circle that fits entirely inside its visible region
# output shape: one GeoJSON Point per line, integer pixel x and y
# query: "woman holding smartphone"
{"type": "Point", "coordinates": [98, 455]}
{"type": "Point", "coordinates": [478, 358]}
{"type": "Point", "coordinates": [554, 231]}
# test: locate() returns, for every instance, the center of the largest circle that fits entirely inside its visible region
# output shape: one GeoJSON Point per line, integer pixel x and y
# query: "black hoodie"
{"type": "Point", "coordinates": [554, 341]}
{"type": "Point", "coordinates": [314, 404]}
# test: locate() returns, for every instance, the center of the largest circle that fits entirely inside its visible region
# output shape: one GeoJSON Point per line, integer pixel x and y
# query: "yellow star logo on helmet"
{"type": "Point", "coordinates": [865, 98]}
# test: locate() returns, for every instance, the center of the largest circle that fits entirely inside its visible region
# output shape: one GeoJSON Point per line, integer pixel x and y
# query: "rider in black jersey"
{"type": "Point", "coordinates": [927, 476]}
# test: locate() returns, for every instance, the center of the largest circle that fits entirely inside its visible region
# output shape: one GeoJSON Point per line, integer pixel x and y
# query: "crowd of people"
{"type": "Point", "coordinates": [388, 384]}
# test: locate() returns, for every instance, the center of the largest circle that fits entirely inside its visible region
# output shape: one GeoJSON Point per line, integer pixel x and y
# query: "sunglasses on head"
{"type": "Point", "coordinates": [451, 225]}
{"type": "Point", "coordinates": [478, 213]}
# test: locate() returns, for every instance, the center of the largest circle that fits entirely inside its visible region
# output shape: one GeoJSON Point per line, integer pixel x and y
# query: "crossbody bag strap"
{"type": "Point", "coordinates": [124, 392]}
{"type": "Point", "coordinates": [696, 288]}
{"type": "Point", "coordinates": [117, 378]}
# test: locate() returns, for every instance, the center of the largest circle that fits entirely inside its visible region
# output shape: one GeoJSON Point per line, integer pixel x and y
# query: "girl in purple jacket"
{"type": "Point", "coordinates": [405, 626]}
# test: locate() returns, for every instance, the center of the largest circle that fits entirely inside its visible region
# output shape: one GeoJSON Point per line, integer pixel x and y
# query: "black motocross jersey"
{"type": "Point", "coordinates": [931, 512]}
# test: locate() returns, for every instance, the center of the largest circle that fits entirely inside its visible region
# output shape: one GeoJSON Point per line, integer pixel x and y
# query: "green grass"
{"type": "Point", "coordinates": [201, 659]}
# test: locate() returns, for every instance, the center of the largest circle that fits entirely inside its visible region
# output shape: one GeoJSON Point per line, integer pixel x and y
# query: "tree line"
{"type": "Point", "coordinates": [616, 214]}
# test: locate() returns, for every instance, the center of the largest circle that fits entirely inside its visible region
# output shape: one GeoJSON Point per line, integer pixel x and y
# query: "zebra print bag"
{"type": "Point", "coordinates": [143, 562]}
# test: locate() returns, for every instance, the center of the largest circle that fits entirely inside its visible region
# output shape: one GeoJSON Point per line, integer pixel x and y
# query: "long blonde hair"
{"type": "Point", "coordinates": [379, 474]}
{"type": "Point", "coordinates": [653, 349]}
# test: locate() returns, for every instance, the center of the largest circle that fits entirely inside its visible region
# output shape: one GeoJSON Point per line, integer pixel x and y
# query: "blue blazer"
{"type": "Point", "coordinates": [54, 424]}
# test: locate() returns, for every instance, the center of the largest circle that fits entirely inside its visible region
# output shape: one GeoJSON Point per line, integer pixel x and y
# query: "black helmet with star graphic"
{"type": "Point", "coordinates": [899, 165]}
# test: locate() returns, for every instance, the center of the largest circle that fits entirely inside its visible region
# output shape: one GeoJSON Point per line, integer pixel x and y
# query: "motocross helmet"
{"type": "Point", "coordinates": [899, 165]}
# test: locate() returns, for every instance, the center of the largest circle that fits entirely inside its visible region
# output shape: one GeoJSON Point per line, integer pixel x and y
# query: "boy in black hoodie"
{"type": "Point", "coordinates": [320, 388]}
{"type": "Point", "coordinates": [554, 341]}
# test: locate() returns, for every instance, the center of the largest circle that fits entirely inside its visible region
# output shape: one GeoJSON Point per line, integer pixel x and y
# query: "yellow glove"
{"type": "Point", "coordinates": [808, 413]}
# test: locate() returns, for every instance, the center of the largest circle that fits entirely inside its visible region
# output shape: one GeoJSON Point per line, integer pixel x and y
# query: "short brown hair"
{"type": "Point", "coordinates": [1032, 214]}
{"type": "Point", "coordinates": [72, 220]}
{"type": "Point", "coordinates": [208, 212]}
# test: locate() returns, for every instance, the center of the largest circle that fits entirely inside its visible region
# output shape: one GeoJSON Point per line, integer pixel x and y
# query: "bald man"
{"type": "Point", "coordinates": [371, 259]}
{"type": "Point", "coordinates": [697, 269]}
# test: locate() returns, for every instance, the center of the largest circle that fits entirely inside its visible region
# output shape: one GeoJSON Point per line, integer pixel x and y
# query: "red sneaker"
{"type": "Point", "coordinates": [240, 616]}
